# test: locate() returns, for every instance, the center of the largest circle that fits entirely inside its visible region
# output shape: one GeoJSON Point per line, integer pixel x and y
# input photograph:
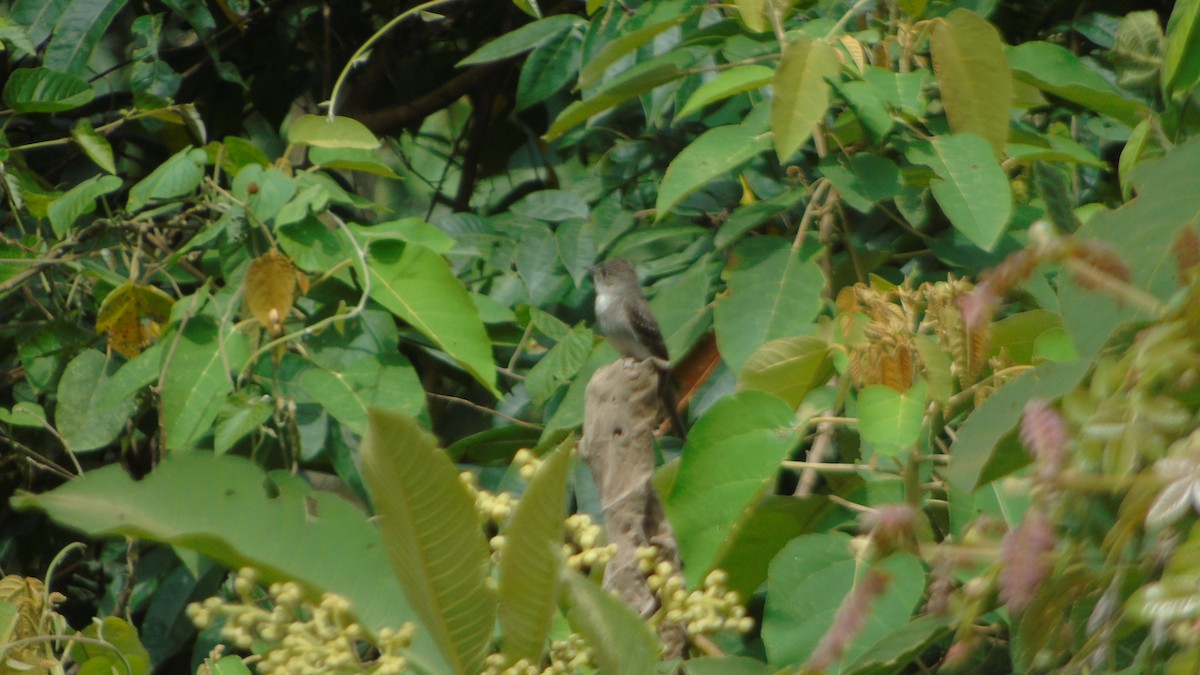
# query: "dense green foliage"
{"type": "Point", "coordinates": [929, 270]}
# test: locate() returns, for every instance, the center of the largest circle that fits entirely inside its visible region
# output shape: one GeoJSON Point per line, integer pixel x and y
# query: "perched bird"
{"type": "Point", "coordinates": [625, 319]}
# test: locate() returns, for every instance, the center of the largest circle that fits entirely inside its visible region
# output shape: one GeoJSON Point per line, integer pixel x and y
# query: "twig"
{"type": "Point", "coordinates": [476, 406]}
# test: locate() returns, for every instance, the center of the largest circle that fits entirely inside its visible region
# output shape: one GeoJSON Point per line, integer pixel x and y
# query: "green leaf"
{"type": "Point", "coordinates": [198, 379]}
{"type": "Point", "coordinates": [417, 285]}
{"type": "Point", "coordinates": [24, 414]}
{"type": "Point", "coordinates": [1057, 71]}
{"type": "Point", "coordinates": [613, 51]}
{"type": "Point", "coordinates": [890, 421]}
{"type": "Point", "coordinates": [864, 179]}
{"type": "Point", "coordinates": [178, 176]}
{"type": "Point", "coordinates": [552, 206]}
{"type": "Point", "coordinates": [729, 82]}
{"type": "Point", "coordinates": [788, 368]}
{"type": "Point", "coordinates": [1017, 334]}
{"type": "Point", "coordinates": [559, 365]}
{"type": "Point", "coordinates": [351, 159]}
{"type": "Point", "coordinates": [774, 521]}
{"type": "Point", "coordinates": [900, 647]}
{"type": "Point", "coordinates": [527, 37]}
{"type": "Point", "coordinates": [1181, 64]}
{"type": "Point", "coordinates": [973, 76]}
{"type": "Point", "coordinates": [433, 534]}
{"type": "Point", "coordinates": [412, 230]}
{"type": "Point", "coordinates": [77, 32]}
{"type": "Point", "coordinates": [549, 69]}
{"type": "Point", "coordinates": [801, 92]}
{"type": "Point", "coordinates": [43, 90]}
{"type": "Point", "coordinates": [531, 562]}
{"type": "Point", "coordinates": [122, 648]}
{"type": "Point", "coordinates": [978, 442]}
{"type": "Point", "coordinates": [340, 132]}
{"type": "Point", "coordinates": [38, 16]}
{"type": "Point", "coordinates": [807, 584]}
{"type": "Point", "coordinates": [628, 85]}
{"type": "Point", "coordinates": [971, 187]}
{"type": "Point", "coordinates": [95, 146]}
{"type": "Point", "coordinates": [386, 382]}
{"type": "Point", "coordinates": [772, 292]}
{"type": "Point", "coordinates": [869, 107]}
{"type": "Point", "coordinates": [78, 201]}
{"type": "Point", "coordinates": [231, 511]}
{"type": "Point", "coordinates": [240, 417]}
{"type": "Point", "coordinates": [86, 418]}
{"type": "Point", "coordinates": [716, 153]}
{"type": "Point", "coordinates": [733, 453]}
{"type": "Point", "coordinates": [621, 641]}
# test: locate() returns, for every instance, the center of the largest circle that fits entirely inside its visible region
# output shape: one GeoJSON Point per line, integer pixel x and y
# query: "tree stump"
{"type": "Point", "coordinates": [620, 414]}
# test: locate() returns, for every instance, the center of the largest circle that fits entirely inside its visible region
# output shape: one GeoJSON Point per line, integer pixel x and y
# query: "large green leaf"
{"type": "Point", "coordinates": [78, 201]}
{"type": "Point", "coordinates": [549, 69]}
{"type": "Point", "coordinates": [628, 85]}
{"type": "Point", "coordinates": [339, 132]}
{"type": "Point", "coordinates": [197, 377]}
{"type": "Point", "coordinates": [809, 580]}
{"type": "Point", "coordinates": [801, 92]}
{"type": "Point", "coordinates": [621, 641]}
{"type": "Point", "coordinates": [417, 285]}
{"type": "Point", "coordinates": [772, 292]}
{"type": "Point", "coordinates": [614, 50]}
{"type": "Point", "coordinates": [382, 381]}
{"type": "Point", "coordinates": [38, 16]}
{"type": "Point", "coordinates": [716, 153]}
{"type": "Point", "coordinates": [1057, 71]}
{"type": "Point", "coordinates": [229, 510]}
{"type": "Point", "coordinates": [77, 32]}
{"type": "Point", "coordinates": [788, 368]}
{"type": "Point", "coordinates": [523, 39]}
{"type": "Point", "coordinates": [176, 177]}
{"type": "Point", "coordinates": [727, 83]}
{"type": "Point", "coordinates": [1181, 64]}
{"type": "Point", "coordinates": [973, 76]}
{"type": "Point", "coordinates": [531, 563]}
{"type": "Point", "coordinates": [890, 421]}
{"type": "Point", "coordinates": [971, 187]}
{"type": "Point", "coordinates": [87, 417]}
{"type": "Point", "coordinates": [774, 521]}
{"type": "Point", "coordinates": [43, 90]}
{"type": "Point", "coordinates": [559, 366]}
{"type": "Point", "coordinates": [733, 453]}
{"type": "Point", "coordinates": [433, 534]}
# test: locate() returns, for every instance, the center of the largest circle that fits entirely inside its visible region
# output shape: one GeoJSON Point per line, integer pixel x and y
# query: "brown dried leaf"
{"type": "Point", "coordinates": [270, 290]}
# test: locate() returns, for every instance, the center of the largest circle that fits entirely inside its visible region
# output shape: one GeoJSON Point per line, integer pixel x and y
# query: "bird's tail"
{"type": "Point", "coordinates": [666, 392]}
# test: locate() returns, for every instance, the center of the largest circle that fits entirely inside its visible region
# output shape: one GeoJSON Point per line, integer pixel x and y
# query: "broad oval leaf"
{"type": "Point", "coordinates": [224, 508]}
{"type": "Point", "coordinates": [79, 201]}
{"type": "Point", "coordinates": [715, 153]}
{"type": "Point", "coordinates": [433, 535]}
{"type": "Point", "coordinates": [417, 285]}
{"type": "Point", "coordinates": [1055, 70]}
{"type": "Point", "coordinates": [95, 146]}
{"type": "Point", "coordinates": [44, 90]}
{"type": "Point", "coordinates": [971, 187]}
{"type": "Point", "coordinates": [727, 83]}
{"type": "Point", "coordinates": [890, 421]}
{"type": "Point", "coordinates": [339, 132]}
{"type": "Point", "coordinates": [801, 92]}
{"type": "Point", "coordinates": [731, 456]}
{"type": "Point", "coordinates": [973, 75]}
{"type": "Point", "coordinates": [523, 39]}
{"type": "Point", "coordinates": [176, 177]}
{"type": "Point", "coordinates": [772, 292]}
{"type": "Point", "coordinates": [270, 290]}
{"type": "Point", "coordinates": [788, 368]}
{"type": "Point", "coordinates": [86, 417]}
{"type": "Point", "coordinates": [198, 379]}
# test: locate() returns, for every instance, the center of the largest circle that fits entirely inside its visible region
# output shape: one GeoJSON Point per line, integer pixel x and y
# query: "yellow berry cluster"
{"type": "Point", "coordinates": [567, 656]}
{"type": "Point", "coordinates": [703, 611]}
{"type": "Point", "coordinates": [582, 549]}
{"type": "Point", "coordinates": [296, 636]}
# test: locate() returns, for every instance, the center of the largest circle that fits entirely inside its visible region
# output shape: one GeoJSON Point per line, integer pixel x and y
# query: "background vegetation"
{"type": "Point", "coordinates": [928, 269]}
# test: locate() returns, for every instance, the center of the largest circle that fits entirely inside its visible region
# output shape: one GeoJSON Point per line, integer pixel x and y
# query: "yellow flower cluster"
{"type": "Point", "coordinates": [296, 636]}
{"type": "Point", "coordinates": [711, 609]}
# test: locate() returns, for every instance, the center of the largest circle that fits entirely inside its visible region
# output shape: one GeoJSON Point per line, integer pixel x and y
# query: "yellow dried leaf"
{"type": "Point", "coordinates": [270, 290]}
{"type": "Point", "coordinates": [133, 315]}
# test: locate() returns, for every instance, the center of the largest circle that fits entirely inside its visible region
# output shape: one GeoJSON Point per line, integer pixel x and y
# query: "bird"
{"type": "Point", "coordinates": [625, 318]}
